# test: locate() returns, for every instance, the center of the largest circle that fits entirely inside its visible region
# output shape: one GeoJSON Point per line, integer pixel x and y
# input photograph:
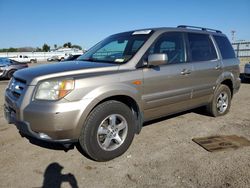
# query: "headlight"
{"type": "Point", "coordinates": [54, 89]}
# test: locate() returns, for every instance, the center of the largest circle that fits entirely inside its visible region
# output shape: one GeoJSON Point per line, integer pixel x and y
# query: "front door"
{"type": "Point", "coordinates": [167, 88]}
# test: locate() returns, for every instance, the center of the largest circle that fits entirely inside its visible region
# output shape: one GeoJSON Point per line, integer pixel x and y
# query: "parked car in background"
{"type": "Point", "coordinates": [8, 67]}
{"type": "Point", "coordinates": [64, 57]}
{"type": "Point", "coordinates": [247, 71]}
{"type": "Point", "coordinates": [72, 57]}
{"type": "Point", "coordinates": [60, 57]}
{"type": "Point", "coordinates": [53, 58]}
{"type": "Point", "coordinates": [24, 59]}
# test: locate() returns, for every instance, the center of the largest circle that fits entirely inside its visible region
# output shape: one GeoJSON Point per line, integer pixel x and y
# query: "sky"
{"type": "Point", "coordinates": [32, 22]}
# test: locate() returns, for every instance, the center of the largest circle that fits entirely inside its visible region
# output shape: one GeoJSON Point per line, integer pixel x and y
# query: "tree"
{"type": "Point", "coordinates": [67, 45]}
{"type": "Point", "coordinates": [38, 49]}
{"type": "Point", "coordinates": [77, 46]}
{"type": "Point", "coordinates": [46, 47]}
{"type": "Point", "coordinates": [55, 46]}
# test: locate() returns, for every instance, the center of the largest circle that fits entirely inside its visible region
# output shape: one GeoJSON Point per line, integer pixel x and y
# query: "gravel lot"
{"type": "Point", "coordinates": [163, 155]}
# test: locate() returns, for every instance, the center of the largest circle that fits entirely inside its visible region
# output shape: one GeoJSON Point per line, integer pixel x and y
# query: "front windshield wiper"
{"type": "Point", "coordinates": [87, 59]}
{"type": "Point", "coordinates": [97, 60]}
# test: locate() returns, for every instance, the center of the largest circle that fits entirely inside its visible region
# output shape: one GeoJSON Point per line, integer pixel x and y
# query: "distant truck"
{"type": "Point", "coordinates": [24, 59]}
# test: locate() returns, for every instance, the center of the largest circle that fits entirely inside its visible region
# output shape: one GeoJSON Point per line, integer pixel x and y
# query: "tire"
{"type": "Point", "coordinates": [221, 102]}
{"type": "Point", "coordinates": [10, 74]}
{"type": "Point", "coordinates": [108, 131]}
{"type": "Point", "coordinates": [32, 61]}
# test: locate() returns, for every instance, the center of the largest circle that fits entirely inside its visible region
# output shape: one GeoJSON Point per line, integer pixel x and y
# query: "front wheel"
{"type": "Point", "coordinates": [10, 74]}
{"type": "Point", "coordinates": [108, 131]}
{"type": "Point", "coordinates": [221, 102]}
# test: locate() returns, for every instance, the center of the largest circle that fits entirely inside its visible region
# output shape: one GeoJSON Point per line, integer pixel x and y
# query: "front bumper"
{"type": "Point", "coordinates": [24, 128]}
{"type": "Point", "coordinates": [2, 73]}
{"type": "Point", "coordinates": [57, 121]}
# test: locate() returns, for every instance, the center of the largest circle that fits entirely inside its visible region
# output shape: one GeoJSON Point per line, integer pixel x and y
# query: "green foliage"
{"type": "Point", "coordinates": [38, 49]}
{"type": "Point", "coordinates": [67, 44]}
{"type": "Point", "coordinates": [46, 47]}
{"type": "Point", "coordinates": [9, 49]}
{"type": "Point", "coordinates": [77, 46]}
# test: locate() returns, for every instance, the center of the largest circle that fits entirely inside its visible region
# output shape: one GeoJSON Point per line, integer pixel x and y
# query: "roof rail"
{"type": "Point", "coordinates": [202, 28]}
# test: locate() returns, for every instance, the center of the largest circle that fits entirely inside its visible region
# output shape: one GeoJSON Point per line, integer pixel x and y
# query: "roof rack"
{"type": "Point", "coordinates": [202, 28]}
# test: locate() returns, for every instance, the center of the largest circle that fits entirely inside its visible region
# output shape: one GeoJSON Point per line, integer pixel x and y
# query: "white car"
{"type": "Point", "coordinates": [24, 59]}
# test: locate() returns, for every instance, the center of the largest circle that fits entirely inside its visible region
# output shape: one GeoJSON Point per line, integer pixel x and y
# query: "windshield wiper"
{"type": "Point", "coordinates": [88, 59]}
{"type": "Point", "coordinates": [97, 60]}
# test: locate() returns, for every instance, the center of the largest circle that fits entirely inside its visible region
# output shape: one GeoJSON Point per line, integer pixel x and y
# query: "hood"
{"type": "Point", "coordinates": [34, 74]}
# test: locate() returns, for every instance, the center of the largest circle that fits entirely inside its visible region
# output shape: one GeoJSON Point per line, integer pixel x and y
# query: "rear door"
{"type": "Point", "coordinates": [206, 64]}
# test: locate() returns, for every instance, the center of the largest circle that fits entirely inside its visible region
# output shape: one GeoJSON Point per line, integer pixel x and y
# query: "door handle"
{"type": "Point", "coordinates": [218, 67]}
{"type": "Point", "coordinates": [185, 71]}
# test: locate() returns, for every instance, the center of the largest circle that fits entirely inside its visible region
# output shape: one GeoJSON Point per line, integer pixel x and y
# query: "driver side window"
{"type": "Point", "coordinates": [171, 44]}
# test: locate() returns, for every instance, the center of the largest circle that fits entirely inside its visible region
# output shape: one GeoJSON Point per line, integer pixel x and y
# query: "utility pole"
{"type": "Point", "coordinates": [233, 35]}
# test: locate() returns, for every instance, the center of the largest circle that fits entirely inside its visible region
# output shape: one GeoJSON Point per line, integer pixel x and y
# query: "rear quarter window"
{"type": "Point", "coordinates": [225, 47]}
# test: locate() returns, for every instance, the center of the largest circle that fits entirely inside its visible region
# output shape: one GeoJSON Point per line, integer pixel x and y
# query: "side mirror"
{"type": "Point", "coordinates": [157, 59]}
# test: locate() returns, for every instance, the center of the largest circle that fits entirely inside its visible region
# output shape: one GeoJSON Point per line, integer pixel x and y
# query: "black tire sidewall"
{"type": "Point", "coordinates": [10, 74]}
{"type": "Point", "coordinates": [89, 140]}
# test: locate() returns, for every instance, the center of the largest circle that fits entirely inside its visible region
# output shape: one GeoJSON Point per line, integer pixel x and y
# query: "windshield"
{"type": "Point", "coordinates": [117, 49]}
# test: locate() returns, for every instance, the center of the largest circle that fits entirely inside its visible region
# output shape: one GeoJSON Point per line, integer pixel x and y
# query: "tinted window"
{"type": "Point", "coordinates": [225, 47]}
{"type": "Point", "coordinates": [172, 45]}
{"type": "Point", "coordinates": [201, 47]}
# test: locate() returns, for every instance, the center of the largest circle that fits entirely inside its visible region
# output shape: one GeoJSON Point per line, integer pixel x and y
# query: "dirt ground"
{"type": "Point", "coordinates": [163, 155]}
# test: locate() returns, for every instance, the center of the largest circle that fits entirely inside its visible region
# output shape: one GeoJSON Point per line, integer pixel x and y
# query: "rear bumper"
{"type": "Point", "coordinates": [247, 75]}
{"type": "Point", "coordinates": [247, 71]}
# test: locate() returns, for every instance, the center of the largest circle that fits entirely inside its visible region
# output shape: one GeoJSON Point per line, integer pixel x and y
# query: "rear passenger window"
{"type": "Point", "coordinates": [225, 47]}
{"type": "Point", "coordinates": [201, 47]}
{"type": "Point", "coordinates": [171, 44]}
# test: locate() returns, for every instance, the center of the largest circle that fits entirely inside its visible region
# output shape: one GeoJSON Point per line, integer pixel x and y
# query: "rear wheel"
{"type": "Point", "coordinates": [221, 102]}
{"type": "Point", "coordinates": [108, 131]}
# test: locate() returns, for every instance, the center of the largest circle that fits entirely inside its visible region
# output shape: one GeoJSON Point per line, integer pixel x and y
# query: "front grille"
{"type": "Point", "coordinates": [17, 86]}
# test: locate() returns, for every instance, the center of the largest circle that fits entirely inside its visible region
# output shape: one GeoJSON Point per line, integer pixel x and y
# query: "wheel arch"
{"type": "Point", "coordinates": [9, 71]}
{"type": "Point", "coordinates": [132, 104]}
{"type": "Point", "coordinates": [229, 84]}
{"type": "Point", "coordinates": [127, 99]}
{"type": "Point", "coordinates": [227, 78]}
